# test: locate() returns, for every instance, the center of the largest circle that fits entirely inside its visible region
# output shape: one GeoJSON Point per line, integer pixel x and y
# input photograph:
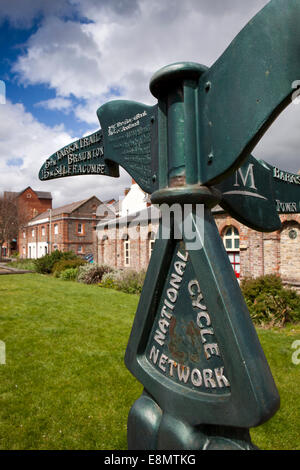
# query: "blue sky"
{"type": "Point", "coordinates": [62, 59]}
{"type": "Point", "coordinates": [33, 96]}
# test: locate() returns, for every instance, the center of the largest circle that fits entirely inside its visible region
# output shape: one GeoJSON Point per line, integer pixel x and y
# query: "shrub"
{"type": "Point", "coordinates": [64, 264]}
{"type": "Point", "coordinates": [92, 273]}
{"type": "Point", "coordinates": [131, 282]}
{"type": "Point", "coordinates": [45, 264]}
{"type": "Point", "coordinates": [111, 279]}
{"type": "Point", "coordinates": [269, 302]}
{"type": "Point", "coordinates": [69, 274]}
{"type": "Point", "coordinates": [23, 264]}
{"type": "Point", "coordinates": [128, 281]}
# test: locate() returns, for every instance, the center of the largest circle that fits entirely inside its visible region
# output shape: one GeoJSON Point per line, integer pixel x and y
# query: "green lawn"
{"type": "Point", "coordinates": [64, 384]}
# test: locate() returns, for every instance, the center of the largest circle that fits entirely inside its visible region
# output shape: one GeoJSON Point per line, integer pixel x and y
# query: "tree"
{"type": "Point", "coordinates": [10, 220]}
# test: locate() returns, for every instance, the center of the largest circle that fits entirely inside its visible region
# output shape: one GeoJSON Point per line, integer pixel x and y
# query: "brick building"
{"type": "Point", "coordinates": [251, 253]}
{"type": "Point", "coordinates": [128, 241]}
{"type": "Point", "coordinates": [254, 254]}
{"type": "Point", "coordinates": [29, 203]}
{"type": "Point", "coordinates": [66, 228]}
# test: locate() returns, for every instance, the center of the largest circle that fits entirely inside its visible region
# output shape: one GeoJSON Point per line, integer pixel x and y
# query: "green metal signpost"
{"type": "Point", "coordinates": [193, 345]}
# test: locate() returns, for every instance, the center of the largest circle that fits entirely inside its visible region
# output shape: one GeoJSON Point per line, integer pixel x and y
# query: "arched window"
{"type": "Point", "coordinates": [231, 239]}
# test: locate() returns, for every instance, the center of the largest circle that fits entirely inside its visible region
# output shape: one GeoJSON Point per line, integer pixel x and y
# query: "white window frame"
{"type": "Point", "coordinates": [233, 237]}
{"type": "Point", "coordinates": [233, 251]}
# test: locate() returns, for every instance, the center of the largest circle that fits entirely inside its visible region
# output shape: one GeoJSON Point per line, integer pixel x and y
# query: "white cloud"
{"type": "Point", "coordinates": [24, 139]}
{"type": "Point", "coordinates": [123, 50]}
{"type": "Point", "coordinates": [63, 56]}
{"type": "Point", "coordinates": [58, 103]}
{"type": "Point", "coordinates": [280, 146]}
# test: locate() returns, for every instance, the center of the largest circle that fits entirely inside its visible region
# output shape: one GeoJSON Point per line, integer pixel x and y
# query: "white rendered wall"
{"type": "Point", "coordinates": [134, 201]}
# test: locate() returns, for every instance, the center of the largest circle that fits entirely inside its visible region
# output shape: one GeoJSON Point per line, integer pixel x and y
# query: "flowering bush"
{"type": "Point", "coordinates": [128, 281]}
{"type": "Point", "coordinates": [92, 273]}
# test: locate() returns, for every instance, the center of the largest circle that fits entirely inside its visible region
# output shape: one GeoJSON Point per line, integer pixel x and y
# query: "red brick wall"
{"type": "Point", "coordinates": [30, 205]}
{"type": "Point", "coordinates": [260, 253]}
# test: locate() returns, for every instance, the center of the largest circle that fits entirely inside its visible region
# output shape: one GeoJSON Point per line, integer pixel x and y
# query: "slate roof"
{"type": "Point", "coordinates": [40, 194]}
{"type": "Point", "coordinates": [43, 194]}
{"type": "Point", "coordinates": [145, 215]}
{"type": "Point", "coordinates": [66, 209]}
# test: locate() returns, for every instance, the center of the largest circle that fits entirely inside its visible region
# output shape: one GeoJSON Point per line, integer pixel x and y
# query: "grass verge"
{"type": "Point", "coordinates": [64, 384]}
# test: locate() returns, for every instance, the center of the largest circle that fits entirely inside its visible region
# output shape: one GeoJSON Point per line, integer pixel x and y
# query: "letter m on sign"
{"type": "Point", "coordinates": [245, 176]}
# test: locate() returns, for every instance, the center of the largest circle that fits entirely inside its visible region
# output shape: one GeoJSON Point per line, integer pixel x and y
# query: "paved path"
{"type": "Point", "coordinates": [5, 269]}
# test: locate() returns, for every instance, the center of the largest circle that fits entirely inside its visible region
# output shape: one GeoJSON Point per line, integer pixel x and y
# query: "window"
{"type": "Point", "coordinates": [80, 249]}
{"type": "Point", "coordinates": [231, 239]}
{"type": "Point", "coordinates": [55, 229]}
{"type": "Point", "coordinates": [234, 259]}
{"type": "Point", "coordinates": [32, 232]}
{"type": "Point", "coordinates": [24, 234]}
{"type": "Point", "coordinates": [43, 231]}
{"type": "Point", "coordinates": [80, 229]}
{"type": "Point", "coordinates": [126, 252]}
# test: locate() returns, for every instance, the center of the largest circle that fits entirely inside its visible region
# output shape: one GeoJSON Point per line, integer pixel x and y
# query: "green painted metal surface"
{"type": "Point", "coordinates": [129, 131]}
{"type": "Point", "coordinates": [193, 345]}
{"type": "Point", "coordinates": [84, 156]}
{"type": "Point", "coordinates": [258, 192]}
{"type": "Point", "coordinates": [193, 342]}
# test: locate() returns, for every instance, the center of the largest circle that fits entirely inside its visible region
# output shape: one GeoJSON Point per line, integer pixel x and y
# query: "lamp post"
{"type": "Point", "coordinates": [50, 230]}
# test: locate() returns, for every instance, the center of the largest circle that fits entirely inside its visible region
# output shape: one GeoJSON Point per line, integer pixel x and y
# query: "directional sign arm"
{"type": "Point", "coordinates": [130, 138]}
{"type": "Point", "coordinates": [248, 196]}
{"type": "Point", "coordinates": [257, 193]}
{"type": "Point", "coordinates": [84, 156]}
{"type": "Point", "coordinates": [286, 188]}
{"type": "Point", "coordinates": [246, 89]}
